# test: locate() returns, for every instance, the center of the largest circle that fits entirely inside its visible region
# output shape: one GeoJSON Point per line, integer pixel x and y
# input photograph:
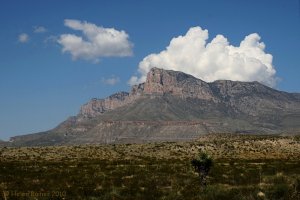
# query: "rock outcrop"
{"type": "Point", "coordinates": [158, 82]}
{"type": "Point", "coordinates": [251, 98]}
{"type": "Point", "coordinates": [99, 106]}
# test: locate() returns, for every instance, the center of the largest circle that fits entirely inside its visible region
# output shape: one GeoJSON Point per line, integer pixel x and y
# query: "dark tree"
{"type": "Point", "coordinates": [202, 165]}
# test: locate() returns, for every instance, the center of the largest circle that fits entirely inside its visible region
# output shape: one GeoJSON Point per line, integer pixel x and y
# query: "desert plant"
{"type": "Point", "coordinates": [202, 165]}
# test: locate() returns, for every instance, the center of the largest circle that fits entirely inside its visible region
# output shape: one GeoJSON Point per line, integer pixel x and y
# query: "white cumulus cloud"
{"type": "Point", "coordinates": [214, 60]}
{"type": "Point", "coordinates": [95, 41]}
{"type": "Point", "coordinates": [23, 38]}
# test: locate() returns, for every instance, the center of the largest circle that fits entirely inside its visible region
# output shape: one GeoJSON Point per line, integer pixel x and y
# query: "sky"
{"type": "Point", "coordinates": [57, 55]}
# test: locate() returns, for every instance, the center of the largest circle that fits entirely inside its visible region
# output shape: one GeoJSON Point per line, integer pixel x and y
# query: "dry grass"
{"type": "Point", "coordinates": [246, 167]}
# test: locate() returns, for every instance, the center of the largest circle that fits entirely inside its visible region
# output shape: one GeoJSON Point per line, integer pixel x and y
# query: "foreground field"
{"type": "Point", "coordinates": [245, 167]}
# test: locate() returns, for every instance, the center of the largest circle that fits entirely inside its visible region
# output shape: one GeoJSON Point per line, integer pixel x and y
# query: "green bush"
{"type": "Point", "coordinates": [202, 165]}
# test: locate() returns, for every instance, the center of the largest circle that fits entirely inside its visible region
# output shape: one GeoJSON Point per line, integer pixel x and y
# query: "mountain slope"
{"type": "Point", "coordinates": [173, 105]}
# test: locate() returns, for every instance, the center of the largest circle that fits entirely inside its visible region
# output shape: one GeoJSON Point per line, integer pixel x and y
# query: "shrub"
{"type": "Point", "coordinates": [202, 165]}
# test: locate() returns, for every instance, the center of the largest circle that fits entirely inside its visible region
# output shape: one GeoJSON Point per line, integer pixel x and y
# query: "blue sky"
{"type": "Point", "coordinates": [41, 85]}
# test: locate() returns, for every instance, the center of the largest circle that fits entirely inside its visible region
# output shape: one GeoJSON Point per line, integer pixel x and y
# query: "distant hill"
{"type": "Point", "coordinates": [172, 106]}
{"type": "Point", "coordinates": [4, 143]}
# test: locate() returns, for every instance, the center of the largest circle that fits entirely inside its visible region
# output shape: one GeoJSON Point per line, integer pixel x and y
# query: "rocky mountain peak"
{"type": "Point", "coordinates": [177, 83]}
{"type": "Point", "coordinates": [97, 107]}
{"type": "Point", "coordinates": [119, 96]}
{"type": "Point", "coordinates": [158, 82]}
{"type": "Point", "coordinates": [240, 96]}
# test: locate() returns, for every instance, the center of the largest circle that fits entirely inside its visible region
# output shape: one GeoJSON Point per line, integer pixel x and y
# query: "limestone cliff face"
{"type": "Point", "coordinates": [97, 107]}
{"type": "Point", "coordinates": [161, 81]}
{"type": "Point", "coordinates": [158, 82]}
{"type": "Point", "coordinates": [251, 98]}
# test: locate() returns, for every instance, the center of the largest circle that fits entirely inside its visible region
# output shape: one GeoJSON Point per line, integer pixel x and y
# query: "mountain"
{"type": "Point", "coordinates": [172, 106]}
{"type": "Point", "coordinates": [3, 143]}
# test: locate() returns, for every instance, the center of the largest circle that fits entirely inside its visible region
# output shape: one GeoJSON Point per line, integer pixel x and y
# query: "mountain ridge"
{"type": "Point", "coordinates": [154, 85]}
{"type": "Point", "coordinates": [148, 111]}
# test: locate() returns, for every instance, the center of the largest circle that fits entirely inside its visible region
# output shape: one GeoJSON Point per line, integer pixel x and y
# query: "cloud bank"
{"type": "Point", "coordinates": [23, 38]}
{"type": "Point", "coordinates": [95, 42]}
{"type": "Point", "coordinates": [215, 60]}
